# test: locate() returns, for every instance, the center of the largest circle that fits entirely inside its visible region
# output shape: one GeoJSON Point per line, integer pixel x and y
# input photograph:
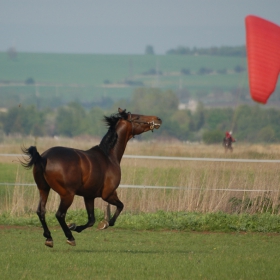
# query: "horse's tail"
{"type": "Point", "coordinates": [34, 158]}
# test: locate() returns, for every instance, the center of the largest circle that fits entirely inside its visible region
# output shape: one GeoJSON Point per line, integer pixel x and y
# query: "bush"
{"type": "Point", "coordinates": [204, 71]}
{"type": "Point", "coordinates": [29, 81]}
{"type": "Point", "coordinates": [185, 71]}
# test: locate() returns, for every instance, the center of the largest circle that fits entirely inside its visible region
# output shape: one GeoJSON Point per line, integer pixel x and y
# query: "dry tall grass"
{"type": "Point", "coordinates": [204, 186]}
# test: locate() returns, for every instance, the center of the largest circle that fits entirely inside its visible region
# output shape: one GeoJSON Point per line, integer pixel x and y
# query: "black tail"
{"type": "Point", "coordinates": [33, 158]}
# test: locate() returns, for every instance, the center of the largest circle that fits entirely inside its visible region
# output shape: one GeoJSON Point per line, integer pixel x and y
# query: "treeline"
{"type": "Point", "coordinates": [249, 123]}
{"type": "Point", "coordinates": [221, 51]}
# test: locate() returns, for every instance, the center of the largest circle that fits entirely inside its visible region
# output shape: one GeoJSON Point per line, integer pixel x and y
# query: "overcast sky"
{"type": "Point", "coordinates": [126, 26]}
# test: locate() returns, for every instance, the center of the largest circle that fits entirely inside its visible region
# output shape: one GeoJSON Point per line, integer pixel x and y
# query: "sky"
{"type": "Point", "coordinates": [126, 26]}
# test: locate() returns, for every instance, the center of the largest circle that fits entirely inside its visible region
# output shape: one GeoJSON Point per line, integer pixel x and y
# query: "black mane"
{"type": "Point", "coordinates": [110, 138]}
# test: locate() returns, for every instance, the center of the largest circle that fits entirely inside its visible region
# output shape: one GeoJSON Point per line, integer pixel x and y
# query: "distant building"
{"type": "Point", "coordinates": [191, 105]}
{"type": "Point", "coordinates": [3, 110]}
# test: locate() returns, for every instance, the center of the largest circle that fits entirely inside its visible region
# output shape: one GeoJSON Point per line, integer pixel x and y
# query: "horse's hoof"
{"type": "Point", "coordinates": [103, 225]}
{"type": "Point", "coordinates": [49, 243]}
{"type": "Point", "coordinates": [71, 242]}
{"type": "Point", "coordinates": [72, 226]}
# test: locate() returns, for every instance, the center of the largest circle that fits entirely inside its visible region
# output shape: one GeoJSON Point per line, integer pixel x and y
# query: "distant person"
{"type": "Point", "coordinates": [228, 139]}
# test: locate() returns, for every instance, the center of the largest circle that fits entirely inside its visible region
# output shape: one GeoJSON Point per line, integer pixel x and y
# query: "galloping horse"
{"type": "Point", "coordinates": [92, 173]}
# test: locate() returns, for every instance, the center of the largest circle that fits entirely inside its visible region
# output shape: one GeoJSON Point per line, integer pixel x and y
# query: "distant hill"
{"type": "Point", "coordinates": [51, 80]}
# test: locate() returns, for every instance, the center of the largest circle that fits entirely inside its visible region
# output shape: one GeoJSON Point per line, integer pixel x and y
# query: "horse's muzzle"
{"type": "Point", "coordinates": [157, 123]}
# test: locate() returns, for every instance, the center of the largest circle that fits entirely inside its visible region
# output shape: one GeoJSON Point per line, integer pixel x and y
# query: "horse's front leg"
{"type": "Point", "coordinates": [114, 200]}
{"type": "Point", "coordinates": [107, 216]}
{"type": "Point", "coordinates": [89, 203]}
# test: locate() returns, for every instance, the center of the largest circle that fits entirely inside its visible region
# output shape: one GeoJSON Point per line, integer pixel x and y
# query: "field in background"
{"type": "Point", "coordinates": [205, 186]}
{"type": "Point", "coordinates": [88, 78]}
{"type": "Point", "coordinates": [91, 69]}
{"type": "Point", "coordinates": [12, 145]}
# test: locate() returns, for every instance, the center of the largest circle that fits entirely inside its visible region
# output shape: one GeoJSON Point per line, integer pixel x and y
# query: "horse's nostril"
{"type": "Point", "coordinates": [159, 119]}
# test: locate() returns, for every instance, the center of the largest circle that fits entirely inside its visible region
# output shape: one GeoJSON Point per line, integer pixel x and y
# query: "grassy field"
{"type": "Point", "coordinates": [60, 78]}
{"type": "Point", "coordinates": [162, 234]}
{"type": "Point", "coordinates": [126, 254]}
{"type": "Point", "coordinates": [205, 186]}
{"type": "Point", "coordinates": [90, 69]}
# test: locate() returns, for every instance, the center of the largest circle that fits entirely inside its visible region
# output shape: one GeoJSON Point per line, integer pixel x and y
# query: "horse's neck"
{"type": "Point", "coordinates": [118, 150]}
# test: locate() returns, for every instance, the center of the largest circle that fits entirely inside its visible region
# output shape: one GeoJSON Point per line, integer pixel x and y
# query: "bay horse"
{"type": "Point", "coordinates": [92, 173]}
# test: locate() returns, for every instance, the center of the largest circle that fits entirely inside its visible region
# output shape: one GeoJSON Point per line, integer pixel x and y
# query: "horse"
{"type": "Point", "coordinates": [227, 143]}
{"type": "Point", "coordinates": [91, 173]}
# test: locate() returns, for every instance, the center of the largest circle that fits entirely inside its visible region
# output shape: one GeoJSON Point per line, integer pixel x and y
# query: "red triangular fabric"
{"type": "Point", "coordinates": [263, 53]}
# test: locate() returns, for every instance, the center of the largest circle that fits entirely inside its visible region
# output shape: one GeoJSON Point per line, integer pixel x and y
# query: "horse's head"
{"type": "Point", "coordinates": [140, 123]}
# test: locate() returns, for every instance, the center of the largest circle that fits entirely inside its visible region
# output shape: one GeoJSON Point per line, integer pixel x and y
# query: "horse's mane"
{"type": "Point", "coordinates": [110, 138]}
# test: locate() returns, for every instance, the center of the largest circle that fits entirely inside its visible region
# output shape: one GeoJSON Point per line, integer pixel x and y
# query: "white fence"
{"type": "Point", "coordinates": [181, 158]}
{"type": "Point", "coordinates": [171, 158]}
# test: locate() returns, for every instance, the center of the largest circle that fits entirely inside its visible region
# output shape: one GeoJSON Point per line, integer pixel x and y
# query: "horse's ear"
{"type": "Point", "coordinates": [121, 110]}
{"type": "Point", "coordinates": [123, 113]}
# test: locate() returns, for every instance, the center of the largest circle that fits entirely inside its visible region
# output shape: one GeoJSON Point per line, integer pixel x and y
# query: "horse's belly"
{"type": "Point", "coordinates": [90, 189]}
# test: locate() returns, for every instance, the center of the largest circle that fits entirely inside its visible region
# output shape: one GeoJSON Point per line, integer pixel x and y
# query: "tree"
{"type": "Point", "coordinates": [182, 118]}
{"type": "Point", "coordinates": [199, 116]}
{"type": "Point", "coordinates": [185, 71]}
{"type": "Point", "coordinates": [94, 122]}
{"type": "Point", "coordinates": [204, 71]}
{"type": "Point", "coordinates": [12, 53]}
{"type": "Point", "coordinates": [149, 50]}
{"type": "Point", "coordinates": [154, 101]}
{"type": "Point", "coordinates": [266, 134]}
{"type": "Point", "coordinates": [70, 120]}
{"type": "Point", "coordinates": [218, 118]}
{"type": "Point", "coordinates": [25, 121]}
{"type": "Point", "coordinates": [239, 69]}
{"type": "Point", "coordinates": [212, 137]}
{"type": "Point", "coordinates": [29, 81]}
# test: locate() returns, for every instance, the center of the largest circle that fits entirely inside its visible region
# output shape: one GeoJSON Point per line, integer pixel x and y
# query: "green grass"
{"type": "Point", "coordinates": [92, 69]}
{"type": "Point", "coordinates": [133, 254]}
{"type": "Point", "coordinates": [8, 172]}
{"type": "Point", "coordinates": [13, 172]}
{"type": "Point", "coordinates": [161, 220]}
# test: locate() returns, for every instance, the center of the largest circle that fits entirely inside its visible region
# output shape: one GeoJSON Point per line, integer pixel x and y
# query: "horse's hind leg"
{"type": "Point", "coordinates": [89, 203]}
{"type": "Point", "coordinates": [114, 200]}
{"type": "Point", "coordinates": [44, 190]}
{"type": "Point", "coordinates": [41, 212]}
{"type": "Point", "coordinates": [65, 203]}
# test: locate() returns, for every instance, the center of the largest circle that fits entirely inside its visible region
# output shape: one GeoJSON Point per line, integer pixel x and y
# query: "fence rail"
{"type": "Point", "coordinates": [181, 158]}
{"type": "Point", "coordinates": [159, 187]}
{"type": "Point", "coordinates": [170, 158]}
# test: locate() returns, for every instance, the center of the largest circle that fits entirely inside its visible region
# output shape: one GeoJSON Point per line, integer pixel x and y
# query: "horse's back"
{"type": "Point", "coordinates": [61, 159]}
{"type": "Point", "coordinates": [70, 156]}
